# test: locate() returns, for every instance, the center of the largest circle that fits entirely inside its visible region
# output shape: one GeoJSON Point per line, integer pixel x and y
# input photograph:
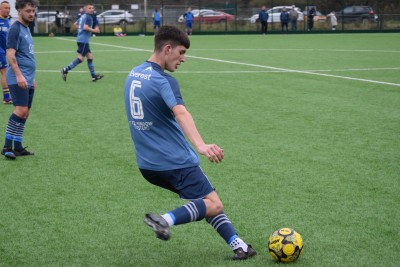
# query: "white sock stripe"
{"type": "Point", "coordinates": [17, 124]}
{"type": "Point", "coordinates": [193, 207]}
{"type": "Point", "coordinates": [221, 223]}
{"type": "Point", "coordinates": [221, 220]}
{"type": "Point", "coordinates": [190, 212]}
{"type": "Point", "coordinates": [216, 218]}
{"type": "Point", "coordinates": [14, 133]}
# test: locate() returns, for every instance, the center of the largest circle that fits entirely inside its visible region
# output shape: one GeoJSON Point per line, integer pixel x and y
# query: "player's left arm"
{"type": "Point", "coordinates": [185, 120]}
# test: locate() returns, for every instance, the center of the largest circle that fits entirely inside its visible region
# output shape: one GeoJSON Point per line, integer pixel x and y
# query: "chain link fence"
{"type": "Point", "coordinates": [232, 17]}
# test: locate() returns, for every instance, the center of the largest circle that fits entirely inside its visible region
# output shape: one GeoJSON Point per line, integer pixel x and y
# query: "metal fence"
{"type": "Point", "coordinates": [239, 18]}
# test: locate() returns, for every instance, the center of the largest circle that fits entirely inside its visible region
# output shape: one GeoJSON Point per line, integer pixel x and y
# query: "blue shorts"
{"type": "Point", "coordinates": [157, 24]}
{"type": "Point", "coordinates": [189, 24]}
{"type": "Point", "coordinates": [83, 49]}
{"type": "Point", "coordinates": [189, 183]}
{"type": "Point", "coordinates": [3, 61]}
{"type": "Point", "coordinates": [21, 97]}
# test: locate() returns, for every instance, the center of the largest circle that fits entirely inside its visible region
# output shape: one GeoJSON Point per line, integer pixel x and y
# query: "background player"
{"type": "Point", "coordinates": [4, 27]}
{"type": "Point", "coordinates": [85, 31]}
{"type": "Point", "coordinates": [188, 16]}
{"type": "Point", "coordinates": [20, 77]}
{"type": "Point", "coordinates": [158, 122]}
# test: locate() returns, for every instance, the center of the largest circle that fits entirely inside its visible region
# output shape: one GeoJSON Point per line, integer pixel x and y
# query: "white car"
{"type": "Point", "coordinates": [275, 14]}
{"type": "Point", "coordinates": [196, 13]}
{"type": "Point", "coordinates": [115, 16]}
{"type": "Point", "coordinates": [48, 16]}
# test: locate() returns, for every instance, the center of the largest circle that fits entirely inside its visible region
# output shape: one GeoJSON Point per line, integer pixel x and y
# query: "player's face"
{"type": "Point", "coordinates": [5, 10]}
{"type": "Point", "coordinates": [27, 14]}
{"type": "Point", "coordinates": [89, 9]}
{"type": "Point", "coordinates": [175, 57]}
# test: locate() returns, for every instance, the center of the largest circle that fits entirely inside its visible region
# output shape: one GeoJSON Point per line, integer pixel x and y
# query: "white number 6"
{"type": "Point", "coordinates": [136, 103]}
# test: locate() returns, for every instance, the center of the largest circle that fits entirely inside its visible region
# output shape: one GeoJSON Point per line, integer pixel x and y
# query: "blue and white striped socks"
{"type": "Point", "coordinates": [14, 132]}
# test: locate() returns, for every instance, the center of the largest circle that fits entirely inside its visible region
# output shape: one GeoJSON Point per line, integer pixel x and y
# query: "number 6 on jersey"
{"type": "Point", "coordinates": [136, 103]}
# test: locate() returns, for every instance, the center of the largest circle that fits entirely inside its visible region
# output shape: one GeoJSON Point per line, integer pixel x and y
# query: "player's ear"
{"type": "Point", "coordinates": [167, 49]}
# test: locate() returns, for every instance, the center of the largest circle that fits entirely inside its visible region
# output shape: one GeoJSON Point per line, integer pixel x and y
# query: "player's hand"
{"type": "Point", "coordinates": [213, 152]}
{"type": "Point", "coordinates": [21, 81]}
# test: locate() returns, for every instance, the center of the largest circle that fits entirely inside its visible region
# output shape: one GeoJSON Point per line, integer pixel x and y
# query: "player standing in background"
{"type": "Point", "coordinates": [4, 27]}
{"type": "Point", "coordinates": [188, 16]}
{"type": "Point", "coordinates": [159, 122]}
{"type": "Point", "coordinates": [85, 31]}
{"type": "Point", "coordinates": [20, 77]}
{"type": "Point", "coordinates": [156, 19]}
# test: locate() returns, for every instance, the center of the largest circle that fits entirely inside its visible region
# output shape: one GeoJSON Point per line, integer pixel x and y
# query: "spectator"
{"type": "Point", "coordinates": [284, 19]}
{"type": "Point", "coordinates": [67, 22]}
{"type": "Point", "coordinates": [293, 15]}
{"type": "Point", "coordinates": [333, 20]}
{"type": "Point", "coordinates": [81, 12]}
{"type": "Point", "coordinates": [263, 17]}
{"type": "Point", "coordinates": [58, 21]}
{"type": "Point", "coordinates": [118, 31]}
{"type": "Point", "coordinates": [311, 14]}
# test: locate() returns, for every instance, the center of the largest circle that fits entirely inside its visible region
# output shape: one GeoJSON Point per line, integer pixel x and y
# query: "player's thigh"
{"type": "Point", "coordinates": [189, 183]}
{"type": "Point", "coordinates": [20, 96]}
{"type": "Point", "coordinates": [83, 49]}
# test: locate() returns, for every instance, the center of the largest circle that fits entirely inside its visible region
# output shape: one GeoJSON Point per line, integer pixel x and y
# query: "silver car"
{"type": "Point", "coordinates": [115, 16]}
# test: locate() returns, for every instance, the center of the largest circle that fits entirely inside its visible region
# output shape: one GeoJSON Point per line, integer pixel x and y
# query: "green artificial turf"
{"type": "Point", "coordinates": [309, 125]}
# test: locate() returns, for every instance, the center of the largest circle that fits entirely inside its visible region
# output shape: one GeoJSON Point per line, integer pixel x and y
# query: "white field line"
{"type": "Point", "coordinates": [251, 65]}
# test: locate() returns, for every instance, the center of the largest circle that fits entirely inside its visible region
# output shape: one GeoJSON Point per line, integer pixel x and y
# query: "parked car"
{"type": "Point", "coordinates": [363, 14]}
{"type": "Point", "coordinates": [214, 16]}
{"type": "Point", "coordinates": [318, 16]}
{"type": "Point", "coordinates": [115, 16]}
{"type": "Point", "coordinates": [275, 14]}
{"type": "Point", "coordinates": [195, 12]}
{"type": "Point", "coordinates": [209, 16]}
{"type": "Point", "coordinates": [47, 16]}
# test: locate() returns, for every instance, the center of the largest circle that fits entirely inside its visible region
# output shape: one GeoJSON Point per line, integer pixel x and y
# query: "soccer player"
{"type": "Point", "coordinates": [188, 16]}
{"type": "Point", "coordinates": [4, 27]}
{"type": "Point", "coordinates": [85, 31]}
{"type": "Point", "coordinates": [20, 77]}
{"type": "Point", "coordinates": [159, 122]}
{"type": "Point", "coordinates": [156, 19]}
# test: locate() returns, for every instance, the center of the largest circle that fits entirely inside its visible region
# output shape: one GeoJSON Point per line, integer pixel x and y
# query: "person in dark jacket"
{"type": "Point", "coordinates": [310, 18]}
{"type": "Point", "coordinates": [263, 17]}
{"type": "Point", "coordinates": [284, 19]}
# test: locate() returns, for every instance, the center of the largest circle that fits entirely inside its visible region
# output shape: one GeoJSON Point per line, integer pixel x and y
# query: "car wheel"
{"type": "Point", "coordinates": [123, 22]}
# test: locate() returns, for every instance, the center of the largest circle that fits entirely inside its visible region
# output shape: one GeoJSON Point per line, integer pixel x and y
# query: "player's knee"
{"type": "Point", "coordinates": [217, 207]}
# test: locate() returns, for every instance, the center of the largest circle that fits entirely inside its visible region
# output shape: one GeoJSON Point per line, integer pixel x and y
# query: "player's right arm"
{"type": "Point", "coordinates": [185, 120]}
{"type": "Point", "coordinates": [12, 60]}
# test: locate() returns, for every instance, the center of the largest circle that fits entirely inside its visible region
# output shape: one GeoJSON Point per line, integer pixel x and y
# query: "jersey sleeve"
{"type": "Point", "coordinates": [13, 36]}
{"type": "Point", "coordinates": [171, 93]}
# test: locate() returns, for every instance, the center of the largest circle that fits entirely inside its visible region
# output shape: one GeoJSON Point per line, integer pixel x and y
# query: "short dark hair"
{"type": "Point", "coordinates": [170, 34]}
{"type": "Point", "coordinates": [19, 4]}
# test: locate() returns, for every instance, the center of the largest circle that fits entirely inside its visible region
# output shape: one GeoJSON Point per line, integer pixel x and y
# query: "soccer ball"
{"type": "Point", "coordinates": [285, 245]}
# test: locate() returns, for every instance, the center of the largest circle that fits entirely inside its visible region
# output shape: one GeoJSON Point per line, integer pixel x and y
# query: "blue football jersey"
{"type": "Point", "coordinates": [20, 39]}
{"type": "Point", "coordinates": [4, 27]}
{"type": "Point", "coordinates": [160, 144]}
{"type": "Point", "coordinates": [84, 36]}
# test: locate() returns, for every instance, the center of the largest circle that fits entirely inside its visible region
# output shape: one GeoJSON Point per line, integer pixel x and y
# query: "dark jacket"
{"type": "Point", "coordinates": [263, 16]}
{"type": "Point", "coordinates": [284, 17]}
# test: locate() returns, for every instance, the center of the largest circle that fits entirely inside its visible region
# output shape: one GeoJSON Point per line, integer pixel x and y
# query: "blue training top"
{"type": "Point", "coordinates": [188, 16]}
{"type": "Point", "coordinates": [20, 39]}
{"type": "Point", "coordinates": [84, 36]}
{"type": "Point", "coordinates": [160, 144]}
{"type": "Point", "coordinates": [4, 26]}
